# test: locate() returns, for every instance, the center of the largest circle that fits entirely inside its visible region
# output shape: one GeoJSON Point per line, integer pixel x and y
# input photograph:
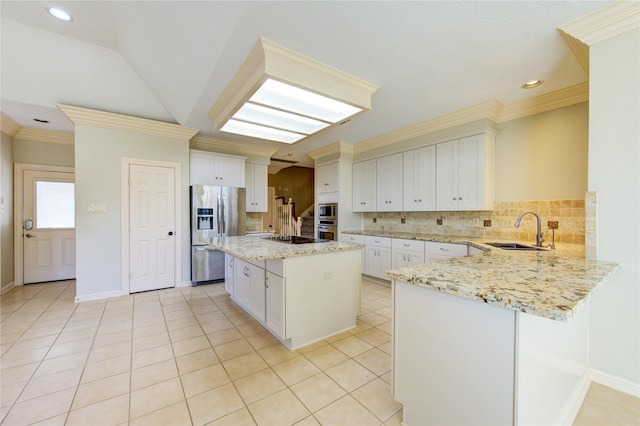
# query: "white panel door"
{"type": "Point", "coordinates": [49, 235]}
{"type": "Point", "coordinates": [447, 176]}
{"type": "Point", "coordinates": [389, 183]}
{"type": "Point", "coordinates": [152, 226]}
{"type": "Point", "coordinates": [419, 180]}
{"type": "Point", "coordinates": [471, 173]}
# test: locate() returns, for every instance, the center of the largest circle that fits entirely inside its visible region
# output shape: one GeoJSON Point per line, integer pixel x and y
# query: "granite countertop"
{"type": "Point", "coordinates": [252, 248]}
{"type": "Point", "coordinates": [550, 284]}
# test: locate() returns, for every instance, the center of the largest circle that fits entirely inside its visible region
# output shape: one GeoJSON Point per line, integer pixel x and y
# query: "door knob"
{"type": "Point", "coordinates": [30, 236]}
{"type": "Point", "coordinates": [170, 233]}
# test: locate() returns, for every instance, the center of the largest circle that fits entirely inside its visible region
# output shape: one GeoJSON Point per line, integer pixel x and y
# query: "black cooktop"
{"type": "Point", "coordinates": [293, 239]}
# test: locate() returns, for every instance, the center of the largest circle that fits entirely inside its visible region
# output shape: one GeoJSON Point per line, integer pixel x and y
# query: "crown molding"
{"type": "Point", "coordinates": [9, 126]}
{"type": "Point", "coordinates": [488, 110]}
{"type": "Point", "coordinates": [207, 143]}
{"type": "Point", "coordinates": [40, 135]}
{"type": "Point", "coordinates": [334, 148]}
{"type": "Point", "coordinates": [604, 23]}
{"type": "Point", "coordinates": [547, 102]}
{"type": "Point", "coordinates": [111, 120]}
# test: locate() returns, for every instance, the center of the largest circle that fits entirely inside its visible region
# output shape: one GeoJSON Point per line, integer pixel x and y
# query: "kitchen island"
{"type": "Point", "coordinates": [500, 337]}
{"type": "Point", "coordinates": [301, 293]}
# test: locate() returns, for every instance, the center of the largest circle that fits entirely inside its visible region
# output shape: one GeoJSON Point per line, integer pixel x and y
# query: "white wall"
{"type": "Point", "coordinates": [98, 153]}
{"type": "Point", "coordinates": [6, 210]}
{"type": "Point", "coordinates": [614, 173]}
{"type": "Point", "coordinates": [543, 156]}
{"type": "Point", "coordinates": [41, 152]}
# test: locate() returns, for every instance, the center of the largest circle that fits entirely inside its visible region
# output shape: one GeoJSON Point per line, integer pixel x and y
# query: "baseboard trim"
{"type": "Point", "coordinates": [572, 406]}
{"type": "Point", "coordinates": [614, 382]}
{"type": "Point", "coordinates": [184, 284]}
{"type": "Point", "coordinates": [8, 287]}
{"type": "Point", "coordinates": [98, 296]}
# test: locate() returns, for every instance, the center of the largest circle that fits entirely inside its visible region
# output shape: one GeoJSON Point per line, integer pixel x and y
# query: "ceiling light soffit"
{"type": "Point", "coordinates": [273, 96]}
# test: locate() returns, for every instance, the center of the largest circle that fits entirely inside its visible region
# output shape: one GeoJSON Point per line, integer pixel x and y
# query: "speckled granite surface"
{"type": "Point", "coordinates": [252, 248]}
{"type": "Point", "coordinates": [548, 284]}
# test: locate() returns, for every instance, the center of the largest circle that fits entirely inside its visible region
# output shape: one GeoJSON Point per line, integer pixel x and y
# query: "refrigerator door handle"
{"type": "Point", "coordinates": [224, 215]}
{"type": "Point", "coordinates": [218, 216]}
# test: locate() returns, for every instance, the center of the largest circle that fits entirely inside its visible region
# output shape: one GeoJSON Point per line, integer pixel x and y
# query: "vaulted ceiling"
{"type": "Point", "coordinates": [170, 60]}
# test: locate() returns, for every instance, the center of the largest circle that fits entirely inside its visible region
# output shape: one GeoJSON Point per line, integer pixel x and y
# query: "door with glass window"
{"type": "Point", "coordinates": [49, 237]}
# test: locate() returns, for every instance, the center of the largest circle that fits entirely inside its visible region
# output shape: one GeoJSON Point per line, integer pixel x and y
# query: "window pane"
{"type": "Point", "coordinates": [55, 205]}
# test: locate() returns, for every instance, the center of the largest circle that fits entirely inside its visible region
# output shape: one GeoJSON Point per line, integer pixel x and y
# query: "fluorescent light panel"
{"type": "Point", "coordinates": [270, 117]}
{"type": "Point", "coordinates": [283, 113]}
{"type": "Point", "coordinates": [299, 101]}
{"type": "Point", "coordinates": [261, 132]}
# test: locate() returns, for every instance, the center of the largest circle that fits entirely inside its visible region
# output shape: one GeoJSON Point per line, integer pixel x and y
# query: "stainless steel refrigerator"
{"type": "Point", "coordinates": [216, 212]}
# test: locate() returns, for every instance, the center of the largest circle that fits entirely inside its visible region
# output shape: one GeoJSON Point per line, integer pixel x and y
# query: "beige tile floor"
{"type": "Point", "coordinates": [192, 356]}
{"type": "Point", "coordinates": [185, 356]}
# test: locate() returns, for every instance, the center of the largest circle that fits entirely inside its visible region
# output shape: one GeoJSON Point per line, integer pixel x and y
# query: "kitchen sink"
{"type": "Point", "coordinates": [517, 246]}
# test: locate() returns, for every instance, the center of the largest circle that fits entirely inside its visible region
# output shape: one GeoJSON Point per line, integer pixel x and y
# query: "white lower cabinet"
{"type": "Point", "coordinates": [275, 318]}
{"type": "Point", "coordinates": [249, 290]}
{"type": "Point", "coordinates": [228, 273]}
{"type": "Point", "coordinates": [437, 251]}
{"type": "Point", "coordinates": [287, 296]}
{"type": "Point", "coordinates": [260, 289]}
{"type": "Point", "coordinates": [407, 253]}
{"type": "Point", "coordinates": [377, 256]}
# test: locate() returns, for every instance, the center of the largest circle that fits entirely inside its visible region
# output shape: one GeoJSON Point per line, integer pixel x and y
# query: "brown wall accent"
{"type": "Point", "coordinates": [297, 183]}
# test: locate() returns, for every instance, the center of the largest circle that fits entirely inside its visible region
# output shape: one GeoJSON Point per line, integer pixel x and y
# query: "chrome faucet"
{"type": "Point", "coordinates": [539, 237]}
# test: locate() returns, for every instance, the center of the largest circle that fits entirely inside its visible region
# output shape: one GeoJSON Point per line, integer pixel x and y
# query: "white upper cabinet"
{"type": "Point", "coordinates": [256, 177]}
{"type": "Point", "coordinates": [419, 180]}
{"type": "Point", "coordinates": [389, 183]}
{"type": "Point", "coordinates": [327, 178]}
{"type": "Point", "coordinates": [465, 174]}
{"type": "Point", "coordinates": [364, 186]}
{"type": "Point", "coordinates": [207, 168]}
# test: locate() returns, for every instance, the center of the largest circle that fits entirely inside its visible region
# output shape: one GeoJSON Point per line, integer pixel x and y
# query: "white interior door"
{"type": "Point", "coordinates": [48, 222]}
{"type": "Point", "coordinates": [152, 227]}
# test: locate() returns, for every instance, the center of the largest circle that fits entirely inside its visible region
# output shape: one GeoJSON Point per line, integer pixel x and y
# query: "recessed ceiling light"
{"type": "Point", "coordinates": [59, 14]}
{"type": "Point", "coordinates": [531, 84]}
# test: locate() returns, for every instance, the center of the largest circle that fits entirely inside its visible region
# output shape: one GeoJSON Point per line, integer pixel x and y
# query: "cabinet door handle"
{"type": "Point", "coordinates": [460, 198]}
{"type": "Point", "coordinates": [444, 249]}
{"type": "Point", "coordinates": [406, 245]}
{"type": "Point", "coordinates": [454, 198]}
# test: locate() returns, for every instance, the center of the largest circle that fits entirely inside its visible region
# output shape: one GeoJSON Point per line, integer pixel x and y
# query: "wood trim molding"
{"type": "Point", "coordinates": [45, 136]}
{"type": "Point", "coordinates": [547, 102]}
{"type": "Point", "coordinates": [604, 23]}
{"type": "Point", "coordinates": [267, 59]}
{"type": "Point", "coordinates": [9, 126]}
{"type": "Point", "coordinates": [488, 110]}
{"type": "Point", "coordinates": [206, 143]}
{"type": "Point", "coordinates": [334, 148]}
{"type": "Point", "coordinates": [111, 120]}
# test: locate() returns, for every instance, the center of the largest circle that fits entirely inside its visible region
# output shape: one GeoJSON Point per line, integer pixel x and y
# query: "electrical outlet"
{"type": "Point", "coordinates": [375, 220]}
{"type": "Point", "coordinates": [438, 221]}
{"type": "Point", "coordinates": [552, 224]}
{"type": "Point", "coordinates": [403, 220]}
{"type": "Point", "coordinates": [487, 223]}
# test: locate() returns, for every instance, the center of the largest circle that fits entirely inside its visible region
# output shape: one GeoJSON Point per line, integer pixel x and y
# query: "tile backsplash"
{"type": "Point", "coordinates": [570, 215]}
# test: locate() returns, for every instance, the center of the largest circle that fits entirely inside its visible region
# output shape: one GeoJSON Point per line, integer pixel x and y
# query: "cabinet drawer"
{"type": "Point", "coordinates": [411, 245]}
{"type": "Point", "coordinates": [355, 239]}
{"type": "Point", "coordinates": [446, 249]}
{"type": "Point", "coordinates": [378, 241]}
{"type": "Point", "coordinates": [276, 266]}
{"type": "Point", "coordinates": [258, 263]}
